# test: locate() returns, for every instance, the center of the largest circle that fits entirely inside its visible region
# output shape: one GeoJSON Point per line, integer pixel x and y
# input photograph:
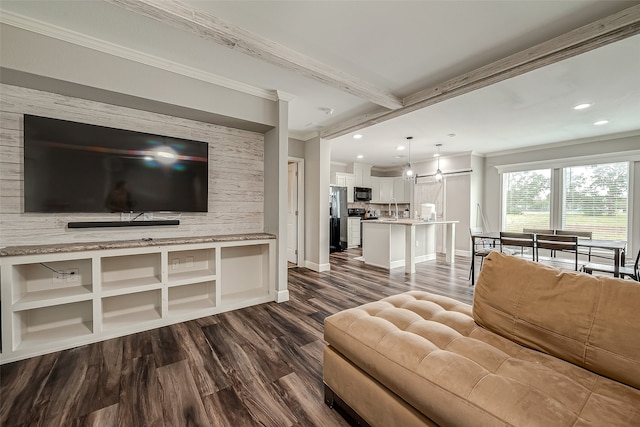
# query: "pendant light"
{"type": "Point", "coordinates": [438, 174]}
{"type": "Point", "coordinates": [407, 171]}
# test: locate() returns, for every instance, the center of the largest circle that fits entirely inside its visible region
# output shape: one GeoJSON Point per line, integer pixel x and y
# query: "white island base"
{"type": "Point", "coordinates": [403, 243]}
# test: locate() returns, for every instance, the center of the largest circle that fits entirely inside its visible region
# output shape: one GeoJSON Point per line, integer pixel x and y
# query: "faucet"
{"type": "Point", "coordinates": [396, 202]}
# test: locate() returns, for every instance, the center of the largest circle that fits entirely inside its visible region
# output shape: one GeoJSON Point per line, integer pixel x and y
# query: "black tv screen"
{"type": "Point", "coordinates": [76, 167]}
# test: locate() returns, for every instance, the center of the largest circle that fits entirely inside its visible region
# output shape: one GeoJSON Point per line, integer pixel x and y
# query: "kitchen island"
{"type": "Point", "coordinates": [390, 243]}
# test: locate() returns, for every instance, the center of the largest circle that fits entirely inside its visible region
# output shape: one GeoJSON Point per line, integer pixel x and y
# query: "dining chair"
{"type": "Point", "coordinates": [538, 230]}
{"type": "Point", "coordinates": [632, 272]}
{"type": "Point", "coordinates": [481, 247]}
{"type": "Point", "coordinates": [556, 243]}
{"type": "Point", "coordinates": [519, 241]}
{"type": "Point", "coordinates": [582, 234]}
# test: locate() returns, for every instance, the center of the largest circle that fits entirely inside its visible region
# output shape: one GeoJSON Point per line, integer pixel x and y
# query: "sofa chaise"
{"type": "Point", "coordinates": [538, 347]}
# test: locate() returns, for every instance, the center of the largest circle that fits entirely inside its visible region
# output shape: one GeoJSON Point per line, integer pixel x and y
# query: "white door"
{"type": "Point", "coordinates": [292, 214]}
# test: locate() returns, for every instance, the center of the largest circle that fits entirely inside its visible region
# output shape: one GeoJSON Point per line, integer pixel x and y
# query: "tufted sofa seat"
{"type": "Point", "coordinates": [542, 350]}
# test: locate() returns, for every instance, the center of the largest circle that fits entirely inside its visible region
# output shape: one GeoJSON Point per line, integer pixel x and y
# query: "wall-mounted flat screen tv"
{"type": "Point", "coordinates": [76, 167]}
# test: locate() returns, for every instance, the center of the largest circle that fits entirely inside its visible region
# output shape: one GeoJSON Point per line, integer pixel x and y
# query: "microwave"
{"type": "Point", "coordinates": [361, 194]}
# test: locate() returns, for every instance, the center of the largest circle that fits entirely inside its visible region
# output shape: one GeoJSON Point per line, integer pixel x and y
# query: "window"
{"type": "Point", "coordinates": [595, 198]}
{"type": "Point", "coordinates": [527, 200]}
{"type": "Point", "coordinates": [583, 198]}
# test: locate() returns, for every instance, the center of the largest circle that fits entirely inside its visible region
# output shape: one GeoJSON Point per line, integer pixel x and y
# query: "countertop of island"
{"type": "Point", "coordinates": [406, 222]}
{"type": "Point", "coordinates": [119, 244]}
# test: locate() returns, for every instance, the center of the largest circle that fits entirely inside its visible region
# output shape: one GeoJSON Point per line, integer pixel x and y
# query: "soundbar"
{"type": "Point", "coordinates": [100, 224]}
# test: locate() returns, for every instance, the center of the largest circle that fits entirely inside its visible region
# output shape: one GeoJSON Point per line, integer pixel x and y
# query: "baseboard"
{"type": "Point", "coordinates": [317, 267]}
{"type": "Point", "coordinates": [423, 258]}
{"type": "Point", "coordinates": [396, 264]}
{"type": "Point", "coordinates": [282, 296]}
{"type": "Point", "coordinates": [459, 252]}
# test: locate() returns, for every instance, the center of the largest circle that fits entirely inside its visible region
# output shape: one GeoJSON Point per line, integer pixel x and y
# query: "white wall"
{"type": "Point", "coordinates": [34, 60]}
{"type": "Point", "coordinates": [457, 208]}
{"type": "Point", "coordinates": [275, 194]}
{"type": "Point", "coordinates": [316, 204]}
{"type": "Point", "coordinates": [296, 148]}
{"type": "Point", "coordinates": [477, 193]}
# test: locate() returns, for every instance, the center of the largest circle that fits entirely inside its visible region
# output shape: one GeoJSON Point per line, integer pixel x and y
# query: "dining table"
{"type": "Point", "coordinates": [616, 246]}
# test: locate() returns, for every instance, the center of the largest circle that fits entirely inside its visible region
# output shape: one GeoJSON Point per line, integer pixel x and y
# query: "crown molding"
{"type": "Point", "coordinates": [79, 39]}
{"type": "Point", "coordinates": [560, 144]}
{"type": "Point", "coordinates": [303, 135]}
{"type": "Point", "coordinates": [284, 96]}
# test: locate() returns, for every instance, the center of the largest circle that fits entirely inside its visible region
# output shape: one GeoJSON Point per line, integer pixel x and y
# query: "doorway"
{"type": "Point", "coordinates": [295, 216]}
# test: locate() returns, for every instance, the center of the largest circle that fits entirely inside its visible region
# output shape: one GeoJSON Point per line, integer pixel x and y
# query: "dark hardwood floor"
{"type": "Point", "coordinates": [259, 366]}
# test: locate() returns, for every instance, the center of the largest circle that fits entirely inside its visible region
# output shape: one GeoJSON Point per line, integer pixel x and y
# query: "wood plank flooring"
{"type": "Point", "coordinates": [259, 366]}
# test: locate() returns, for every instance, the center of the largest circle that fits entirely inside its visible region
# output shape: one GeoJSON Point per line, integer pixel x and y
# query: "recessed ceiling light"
{"type": "Point", "coordinates": [601, 122]}
{"type": "Point", "coordinates": [582, 106]}
{"type": "Point", "coordinates": [357, 136]}
{"type": "Point", "coordinates": [400, 147]}
{"type": "Point", "coordinates": [360, 156]}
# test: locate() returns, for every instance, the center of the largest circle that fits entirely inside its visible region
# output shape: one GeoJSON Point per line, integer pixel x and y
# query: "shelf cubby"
{"type": "Point", "coordinates": [38, 284]}
{"type": "Point", "coordinates": [50, 325]}
{"type": "Point", "coordinates": [244, 271]}
{"type": "Point", "coordinates": [191, 264]}
{"type": "Point", "coordinates": [123, 311]}
{"type": "Point", "coordinates": [130, 271]}
{"type": "Point", "coordinates": [187, 299]}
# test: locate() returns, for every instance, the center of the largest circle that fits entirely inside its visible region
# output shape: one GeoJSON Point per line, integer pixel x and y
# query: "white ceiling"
{"type": "Point", "coordinates": [399, 47]}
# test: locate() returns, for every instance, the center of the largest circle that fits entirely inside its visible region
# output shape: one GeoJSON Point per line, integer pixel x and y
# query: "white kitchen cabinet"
{"type": "Point", "coordinates": [375, 189]}
{"type": "Point", "coordinates": [386, 189]}
{"type": "Point", "coordinates": [353, 232]}
{"type": "Point", "coordinates": [402, 190]}
{"type": "Point", "coordinates": [346, 180]}
{"type": "Point", "coordinates": [408, 191]}
{"type": "Point", "coordinates": [362, 174]}
{"type": "Point", "coordinates": [351, 181]}
{"type": "Point", "coordinates": [54, 300]}
{"type": "Point", "coordinates": [398, 189]}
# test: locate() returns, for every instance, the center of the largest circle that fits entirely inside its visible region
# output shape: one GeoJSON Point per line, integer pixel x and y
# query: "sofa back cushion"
{"type": "Point", "coordinates": [593, 322]}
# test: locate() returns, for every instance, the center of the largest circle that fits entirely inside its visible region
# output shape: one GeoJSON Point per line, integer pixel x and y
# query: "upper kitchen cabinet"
{"type": "Point", "coordinates": [402, 190]}
{"type": "Point", "coordinates": [384, 189]}
{"type": "Point", "coordinates": [375, 188]}
{"type": "Point", "coordinates": [362, 174]}
{"type": "Point", "coordinates": [346, 180]}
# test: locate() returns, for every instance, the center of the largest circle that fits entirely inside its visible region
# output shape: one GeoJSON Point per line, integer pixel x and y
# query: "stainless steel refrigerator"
{"type": "Point", "coordinates": [338, 218]}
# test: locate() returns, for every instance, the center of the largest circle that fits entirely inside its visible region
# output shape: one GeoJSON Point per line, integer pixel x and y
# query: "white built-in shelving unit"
{"type": "Point", "coordinates": [56, 299]}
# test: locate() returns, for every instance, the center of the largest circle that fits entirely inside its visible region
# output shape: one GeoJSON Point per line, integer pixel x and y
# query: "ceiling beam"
{"type": "Point", "coordinates": [205, 25]}
{"type": "Point", "coordinates": [591, 36]}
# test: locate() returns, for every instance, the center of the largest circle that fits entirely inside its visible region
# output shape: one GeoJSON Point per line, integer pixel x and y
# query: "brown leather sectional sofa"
{"type": "Point", "coordinates": [539, 347]}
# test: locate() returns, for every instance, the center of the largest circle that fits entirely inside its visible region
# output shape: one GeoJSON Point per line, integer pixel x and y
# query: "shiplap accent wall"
{"type": "Point", "coordinates": [236, 173]}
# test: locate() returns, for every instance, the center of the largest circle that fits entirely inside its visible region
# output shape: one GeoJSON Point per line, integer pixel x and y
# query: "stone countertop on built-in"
{"type": "Point", "coordinates": [123, 244]}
